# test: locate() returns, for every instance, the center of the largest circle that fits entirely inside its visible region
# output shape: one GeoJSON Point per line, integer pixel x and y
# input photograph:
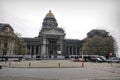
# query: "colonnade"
{"type": "Point", "coordinates": [72, 50]}
{"type": "Point", "coordinates": [69, 50]}
{"type": "Point", "coordinates": [34, 50]}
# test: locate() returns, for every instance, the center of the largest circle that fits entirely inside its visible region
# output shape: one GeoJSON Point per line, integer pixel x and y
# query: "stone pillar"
{"type": "Point", "coordinates": [12, 47]}
{"type": "Point", "coordinates": [30, 50]}
{"type": "Point", "coordinates": [61, 44]}
{"type": "Point", "coordinates": [34, 50]}
{"type": "Point", "coordinates": [8, 48]}
{"type": "Point", "coordinates": [2, 47]}
{"type": "Point", "coordinates": [38, 50]}
{"type": "Point", "coordinates": [72, 50]}
{"type": "Point", "coordinates": [68, 48]}
{"type": "Point", "coordinates": [61, 48]}
{"type": "Point", "coordinates": [76, 50]}
{"type": "Point", "coordinates": [43, 48]}
{"type": "Point", "coordinates": [47, 49]}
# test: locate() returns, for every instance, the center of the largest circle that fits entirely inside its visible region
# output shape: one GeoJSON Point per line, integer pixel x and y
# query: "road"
{"type": "Point", "coordinates": [86, 73]}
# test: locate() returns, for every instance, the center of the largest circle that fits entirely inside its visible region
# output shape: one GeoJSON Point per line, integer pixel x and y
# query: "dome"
{"type": "Point", "coordinates": [50, 14]}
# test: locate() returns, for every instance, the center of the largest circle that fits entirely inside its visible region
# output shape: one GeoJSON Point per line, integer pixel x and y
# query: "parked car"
{"type": "Point", "coordinates": [103, 58]}
{"type": "Point", "coordinates": [76, 58]}
{"type": "Point", "coordinates": [113, 59]}
{"type": "Point", "coordinates": [95, 59]}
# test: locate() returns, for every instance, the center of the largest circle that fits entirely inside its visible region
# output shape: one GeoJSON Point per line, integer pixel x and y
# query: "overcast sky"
{"type": "Point", "coordinates": [76, 17]}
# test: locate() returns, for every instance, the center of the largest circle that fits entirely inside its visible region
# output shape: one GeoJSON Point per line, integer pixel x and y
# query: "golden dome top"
{"type": "Point", "coordinates": [50, 14]}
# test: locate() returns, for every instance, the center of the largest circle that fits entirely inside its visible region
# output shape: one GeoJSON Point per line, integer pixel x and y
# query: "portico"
{"type": "Point", "coordinates": [52, 42]}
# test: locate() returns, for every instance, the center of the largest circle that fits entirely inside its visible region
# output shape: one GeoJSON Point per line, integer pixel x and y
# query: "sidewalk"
{"type": "Point", "coordinates": [23, 78]}
{"type": "Point", "coordinates": [56, 64]}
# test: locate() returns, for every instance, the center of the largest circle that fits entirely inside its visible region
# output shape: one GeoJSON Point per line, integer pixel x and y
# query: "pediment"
{"type": "Point", "coordinates": [53, 32]}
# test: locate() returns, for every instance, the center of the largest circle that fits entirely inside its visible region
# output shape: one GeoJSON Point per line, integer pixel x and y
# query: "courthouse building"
{"type": "Point", "coordinates": [50, 41]}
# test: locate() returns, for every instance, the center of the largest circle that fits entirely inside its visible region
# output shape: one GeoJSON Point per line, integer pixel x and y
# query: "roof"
{"type": "Point", "coordinates": [72, 42]}
{"type": "Point", "coordinates": [3, 25]}
{"type": "Point", "coordinates": [32, 41]}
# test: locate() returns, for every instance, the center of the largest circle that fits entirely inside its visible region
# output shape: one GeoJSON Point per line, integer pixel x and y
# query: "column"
{"type": "Point", "coordinates": [12, 47]}
{"type": "Point", "coordinates": [30, 50]}
{"type": "Point", "coordinates": [43, 48]}
{"type": "Point", "coordinates": [65, 50]}
{"type": "Point", "coordinates": [1, 47]}
{"type": "Point", "coordinates": [34, 50]}
{"type": "Point", "coordinates": [61, 46]}
{"type": "Point", "coordinates": [72, 51]}
{"type": "Point", "coordinates": [8, 48]}
{"type": "Point", "coordinates": [47, 49]}
{"type": "Point", "coordinates": [68, 50]}
{"type": "Point", "coordinates": [76, 50]}
{"type": "Point", "coordinates": [10, 52]}
{"type": "Point", "coordinates": [39, 50]}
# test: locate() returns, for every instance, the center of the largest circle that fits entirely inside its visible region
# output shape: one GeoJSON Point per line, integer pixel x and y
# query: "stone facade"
{"type": "Point", "coordinates": [6, 39]}
{"type": "Point", "coordinates": [51, 40]}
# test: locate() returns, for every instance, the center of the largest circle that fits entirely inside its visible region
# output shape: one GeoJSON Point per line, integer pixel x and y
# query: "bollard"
{"type": "Point", "coordinates": [9, 64]}
{"type": "Point", "coordinates": [82, 63]}
{"type": "Point", "coordinates": [29, 64]}
{"type": "Point", "coordinates": [111, 63]}
{"type": "Point", "coordinates": [59, 65]}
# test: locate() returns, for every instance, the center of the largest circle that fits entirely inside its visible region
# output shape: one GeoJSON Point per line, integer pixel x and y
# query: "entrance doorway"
{"type": "Point", "coordinates": [52, 48]}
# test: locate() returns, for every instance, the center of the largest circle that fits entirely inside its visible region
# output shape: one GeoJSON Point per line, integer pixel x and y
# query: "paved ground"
{"type": "Point", "coordinates": [55, 64]}
{"type": "Point", "coordinates": [91, 71]}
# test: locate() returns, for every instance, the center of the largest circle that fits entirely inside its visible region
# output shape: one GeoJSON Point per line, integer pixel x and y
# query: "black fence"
{"type": "Point", "coordinates": [11, 58]}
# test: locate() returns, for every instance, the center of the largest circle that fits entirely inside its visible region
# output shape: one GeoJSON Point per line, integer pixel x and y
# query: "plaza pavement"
{"type": "Point", "coordinates": [52, 70]}
{"type": "Point", "coordinates": [56, 64]}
